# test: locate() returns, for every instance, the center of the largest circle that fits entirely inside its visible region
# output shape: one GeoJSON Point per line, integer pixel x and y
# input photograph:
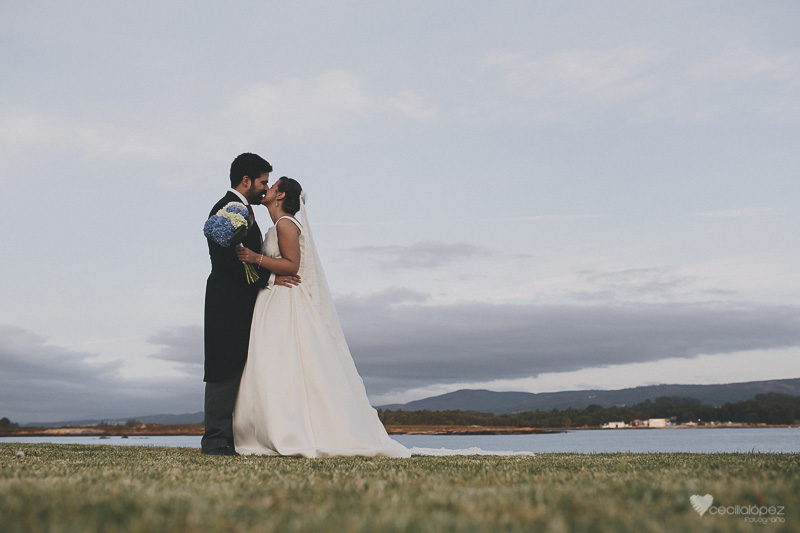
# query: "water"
{"type": "Point", "coordinates": [781, 440]}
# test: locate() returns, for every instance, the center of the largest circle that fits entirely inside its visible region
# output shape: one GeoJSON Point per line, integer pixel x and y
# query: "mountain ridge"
{"type": "Point", "coordinates": [487, 401]}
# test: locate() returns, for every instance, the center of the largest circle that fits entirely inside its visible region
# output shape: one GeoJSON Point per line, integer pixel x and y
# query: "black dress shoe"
{"type": "Point", "coordinates": [222, 450]}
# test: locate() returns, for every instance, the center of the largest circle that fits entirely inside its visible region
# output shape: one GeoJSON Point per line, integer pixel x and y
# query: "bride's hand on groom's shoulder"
{"type": "Point", "coordinates": [246, 255]}
{"type": "Point", "coordinates": [287, 281]}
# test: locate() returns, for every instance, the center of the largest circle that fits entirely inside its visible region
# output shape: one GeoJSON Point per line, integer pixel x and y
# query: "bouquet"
{"type": "Point", "coordinates": [229, 227]}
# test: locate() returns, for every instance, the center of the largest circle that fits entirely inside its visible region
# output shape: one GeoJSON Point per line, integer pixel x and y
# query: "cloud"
{"type": "Point", "coordinates": [642, 84]}
{"type": "Point", "coordinates": [736, 82]}
{"type": "Point", "coordinates": [741, 212]}
{"type": "Point", "coordinates": [400, 342]}
{"type": "Point", "coordinates": [387, 297]}
{"type": "Point", "coordinates": [294, 106]}
{"type": "Point", "coordinates": [331, 101]}
{"type": "Point", "coordinates": [611, 74]}
{"type": "Point", "coordinates": [42, 382]}
{"type": "Point", "coordinates": [741, 61]}
{"type": "Point", "coordinates": [565, 217]}
{"type": "Point", "coordinates": [424, 254]}
{"type": "Point", "coordinates": [397, 347]}
{"type": "Point", "coordinates": [180, 344]}
{"type": "Point", "coordinates": [24, 129]}
{"type": "Point", "coordinates": [564, 87]}
{"type": "Point", "coordinates": [635, 283]}
{"type": "Point", "coordinates": [412, 106]}
{"type": "Point", "coordinates": [289, 108]}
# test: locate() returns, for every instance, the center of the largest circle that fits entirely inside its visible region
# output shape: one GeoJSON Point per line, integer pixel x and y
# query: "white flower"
{"type": "Point", "coordinates": [236, 219]}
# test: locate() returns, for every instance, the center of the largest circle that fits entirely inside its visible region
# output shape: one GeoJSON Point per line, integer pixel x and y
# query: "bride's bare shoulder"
{"type": "Point", "coordinates": [289, 224]}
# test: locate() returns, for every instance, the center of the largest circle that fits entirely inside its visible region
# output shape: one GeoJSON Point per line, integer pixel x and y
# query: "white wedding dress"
{"type": "Point", "coordinates": [300, 392]}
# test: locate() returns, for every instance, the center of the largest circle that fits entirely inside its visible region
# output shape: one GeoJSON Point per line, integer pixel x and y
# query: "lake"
{"type": "Point", "coordinates": [716, 440]}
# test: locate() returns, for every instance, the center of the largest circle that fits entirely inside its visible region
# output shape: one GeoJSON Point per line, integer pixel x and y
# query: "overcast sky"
{"type": "Point", "coordinates": [513, 195]}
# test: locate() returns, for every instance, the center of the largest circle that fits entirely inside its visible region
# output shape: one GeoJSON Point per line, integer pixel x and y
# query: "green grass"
{"type": "Point", "coordinates": [66, 488]}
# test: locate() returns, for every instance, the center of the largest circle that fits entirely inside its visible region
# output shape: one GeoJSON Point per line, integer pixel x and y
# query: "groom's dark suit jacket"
{"type": "Point", "coordinates": [229, 303]}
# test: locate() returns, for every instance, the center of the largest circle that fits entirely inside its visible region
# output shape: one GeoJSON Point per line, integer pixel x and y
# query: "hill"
{"type": "Point", "coordinates": [167, 420]}
{"type": "Point", "coordinates": [487, 401]}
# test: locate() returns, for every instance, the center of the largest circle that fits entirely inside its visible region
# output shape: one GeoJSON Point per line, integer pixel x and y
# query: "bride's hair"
{"type": "Point", "coordinates": [292, 191]}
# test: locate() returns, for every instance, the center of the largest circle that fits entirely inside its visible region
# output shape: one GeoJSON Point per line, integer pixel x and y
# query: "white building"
{"type": "Point", "coordinates": [614, 425]}
{"type": "Point", "coordinates": [656, 422]}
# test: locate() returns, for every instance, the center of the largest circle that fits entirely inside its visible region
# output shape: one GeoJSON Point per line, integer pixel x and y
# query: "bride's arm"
{"type": "Point", "coordinates": [288, 243]}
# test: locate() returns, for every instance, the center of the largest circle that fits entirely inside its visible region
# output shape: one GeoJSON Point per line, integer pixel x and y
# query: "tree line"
{"type": "Point", "coordinates": [772, 409]}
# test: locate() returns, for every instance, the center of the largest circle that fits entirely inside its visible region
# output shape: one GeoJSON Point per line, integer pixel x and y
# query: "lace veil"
{"type": "Point", "coordinates": [314, 281]}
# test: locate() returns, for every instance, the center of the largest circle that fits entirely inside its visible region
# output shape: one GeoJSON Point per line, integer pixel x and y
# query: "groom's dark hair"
{"type": "Point", "coordinates": [251, 165]}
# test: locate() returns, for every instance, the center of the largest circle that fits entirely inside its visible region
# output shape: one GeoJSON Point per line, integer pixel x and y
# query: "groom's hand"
{"type": "Point", "coordinates": [287, 281]}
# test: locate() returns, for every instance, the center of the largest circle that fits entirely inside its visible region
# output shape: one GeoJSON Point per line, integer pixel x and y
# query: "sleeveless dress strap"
{"type": "Point", "coordinates": [296, 223]}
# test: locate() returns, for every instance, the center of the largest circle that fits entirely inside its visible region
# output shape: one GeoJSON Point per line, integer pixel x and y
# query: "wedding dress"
{"type": "Point", "coordinates": [300, 392]}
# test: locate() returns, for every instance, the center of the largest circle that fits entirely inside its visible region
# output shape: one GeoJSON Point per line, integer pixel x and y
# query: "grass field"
{"type": "Point", "coordinates": [66, 488]}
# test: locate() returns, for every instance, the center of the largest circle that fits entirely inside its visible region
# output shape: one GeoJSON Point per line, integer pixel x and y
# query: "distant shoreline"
{"type": "Point", "coordinates": [152, 430]}
{"type": "Point", "coordinates": [465, 430]}
{"type": "Point", "coordinates": [159, 430]}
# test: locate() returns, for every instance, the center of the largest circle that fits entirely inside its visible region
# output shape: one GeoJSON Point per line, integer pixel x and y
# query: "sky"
{"type": "Point", "coordinates": [511, 195]}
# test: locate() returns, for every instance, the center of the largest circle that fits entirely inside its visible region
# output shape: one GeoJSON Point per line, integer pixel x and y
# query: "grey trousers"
{"type": "Point", "coordinates": [219, 404]}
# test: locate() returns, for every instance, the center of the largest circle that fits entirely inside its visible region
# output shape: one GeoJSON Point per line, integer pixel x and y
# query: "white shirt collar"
{"type": "Point", "coordinates": [237, 193]}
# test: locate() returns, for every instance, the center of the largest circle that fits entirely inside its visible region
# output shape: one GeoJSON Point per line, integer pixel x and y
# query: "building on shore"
{"type": "Point", "coordinates": [649, 423]}
{"type": "Point", "coordinates": [615, 425]}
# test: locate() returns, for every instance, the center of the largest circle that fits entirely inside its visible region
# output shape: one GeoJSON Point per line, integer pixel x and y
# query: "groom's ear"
{"type": "Point", "coordinates": [246, 181]}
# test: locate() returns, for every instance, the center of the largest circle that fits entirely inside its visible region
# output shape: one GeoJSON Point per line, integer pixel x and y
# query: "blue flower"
{"type": "Point", "coordinates": [238, 208]}
{"type": "Point", "coordinates": [219, 229]}
{"type": "Point", "coordinates": [229, 226]}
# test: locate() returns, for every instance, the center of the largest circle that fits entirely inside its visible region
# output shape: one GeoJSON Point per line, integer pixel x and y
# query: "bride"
{"type": "Point", "coordinates": [300, 392]}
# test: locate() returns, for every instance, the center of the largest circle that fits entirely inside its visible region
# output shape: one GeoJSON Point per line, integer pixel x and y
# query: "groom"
{"type": "Point", "coordinates": [229, 308]}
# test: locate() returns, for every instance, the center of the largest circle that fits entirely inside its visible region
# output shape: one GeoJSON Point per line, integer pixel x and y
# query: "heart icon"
{"type": "Point", "coordinates": [701, 503]}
